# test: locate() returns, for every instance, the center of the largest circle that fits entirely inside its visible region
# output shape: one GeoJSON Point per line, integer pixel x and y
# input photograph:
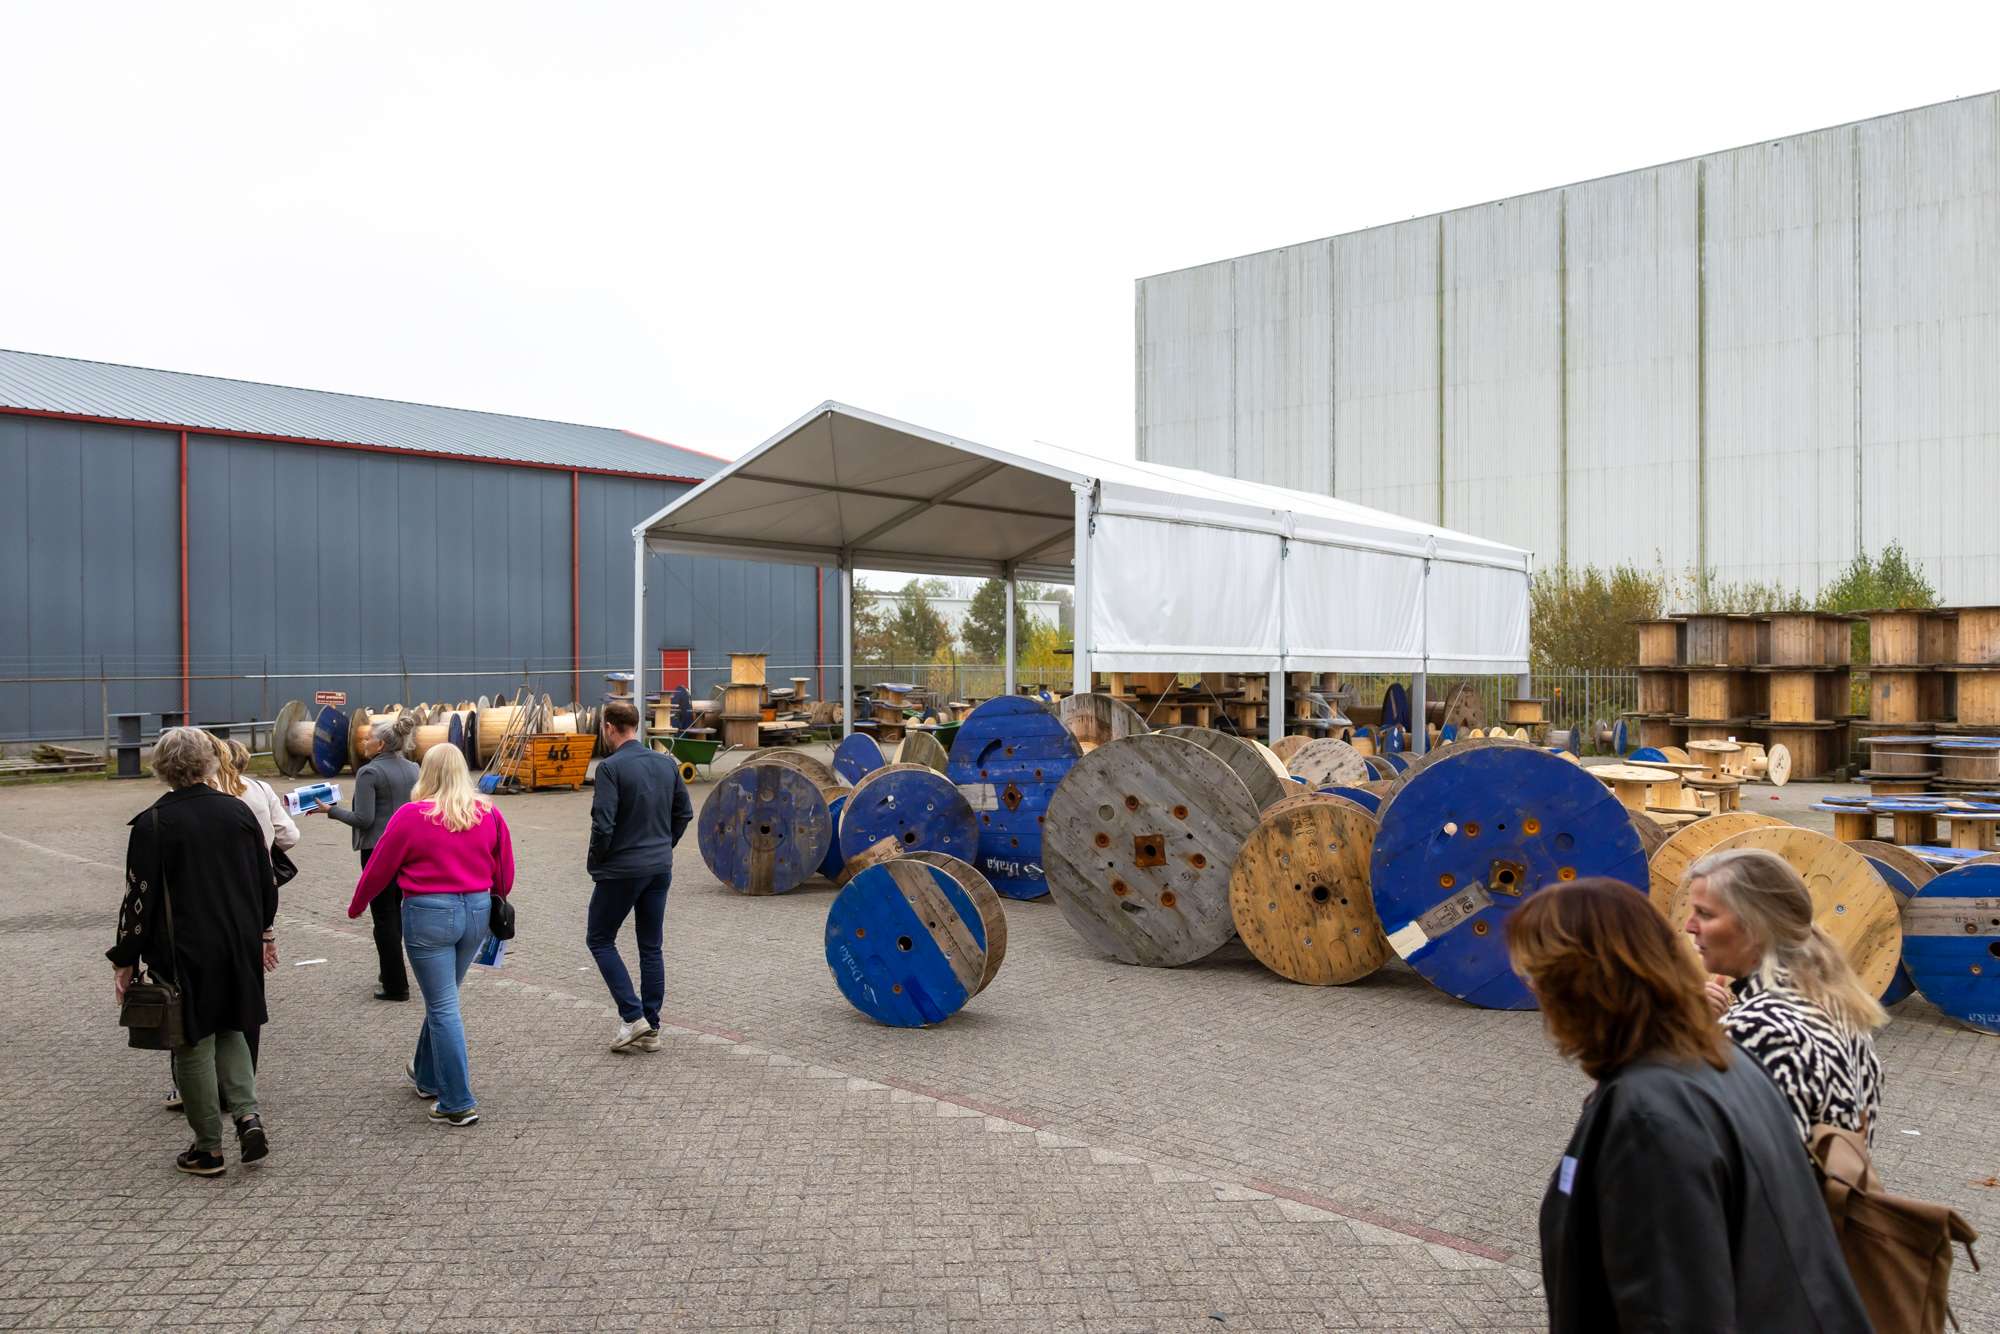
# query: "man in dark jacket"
{"type": "Point", "coordinates": [637, 815]}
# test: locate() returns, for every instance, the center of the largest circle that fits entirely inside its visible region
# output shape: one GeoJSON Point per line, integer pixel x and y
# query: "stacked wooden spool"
{"type": "Point", "coordinates": [1662, 685]}
{"type": "Point", "coordinates": [1907, 684]}
{"type": "Point", "coordinates": [743, 701]}
{"type": "Point", "coordinates": [1805, 663]}
{"type": "Point", "coordinates": [1533, 714]}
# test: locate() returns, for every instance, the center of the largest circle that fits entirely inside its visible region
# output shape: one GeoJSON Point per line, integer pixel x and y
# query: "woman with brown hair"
{"type": "Point", "coordinates": [1793, 1002]}
{"type": "Point", "coordinates": [1683, 1200]}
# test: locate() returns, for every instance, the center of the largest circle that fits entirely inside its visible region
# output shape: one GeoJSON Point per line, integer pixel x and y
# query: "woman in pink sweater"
{"type": "Point", "coordinates": [450, 851]}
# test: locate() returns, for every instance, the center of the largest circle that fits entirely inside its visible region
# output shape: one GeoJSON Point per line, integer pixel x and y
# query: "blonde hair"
{"type": "Point", "coordinates": [228, 776]}
{"type": "Point", "coordinates": [184, 757]}
{"type": "Point", "coordinates": [1776, 909]}
{"type": "Point", "coordinates": [445, 782]}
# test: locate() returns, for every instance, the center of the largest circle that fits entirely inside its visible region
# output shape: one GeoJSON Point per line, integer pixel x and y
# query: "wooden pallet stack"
{"type": "Point", "coordinates": [1804, 662]}
{"type": "Point", "coordinates": [1907, 684]}
{"type": "Point", "coordinates": [743, 701]}
{"type": "Point", "coordinates": [1662, 683]}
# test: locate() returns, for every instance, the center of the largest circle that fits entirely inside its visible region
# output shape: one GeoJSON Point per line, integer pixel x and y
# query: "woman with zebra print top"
{"type": "Point", "coordinates": [1793, 1004]}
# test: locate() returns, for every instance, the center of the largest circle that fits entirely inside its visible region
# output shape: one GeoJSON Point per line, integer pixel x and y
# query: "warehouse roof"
{"type": "Point", "coordinates": [95, 390]}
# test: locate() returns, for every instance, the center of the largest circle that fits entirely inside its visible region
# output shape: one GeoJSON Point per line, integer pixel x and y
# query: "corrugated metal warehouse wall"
{"type": "Point", "coordinates": [346, 568]}
{"type": "Point", "coordinates": [1764, 360]}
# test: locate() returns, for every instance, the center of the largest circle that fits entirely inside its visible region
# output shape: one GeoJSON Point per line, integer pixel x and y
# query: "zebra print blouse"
{"type": "Point", "coordinates": [1827, 1074]}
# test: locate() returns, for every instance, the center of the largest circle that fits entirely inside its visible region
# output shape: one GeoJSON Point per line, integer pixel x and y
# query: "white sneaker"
{"type": "Point", "coordinates": [628, 1035]}
{"type": "Point", "coordinates": [649, 1040]}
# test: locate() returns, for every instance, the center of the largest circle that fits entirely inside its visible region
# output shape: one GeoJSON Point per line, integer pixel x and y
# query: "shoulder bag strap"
{"type": "Point", "coordinates": [166, 899]}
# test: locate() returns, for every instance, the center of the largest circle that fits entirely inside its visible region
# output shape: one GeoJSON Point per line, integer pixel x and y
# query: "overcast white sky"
{"type": "Point", "coordinates": [699, 220]}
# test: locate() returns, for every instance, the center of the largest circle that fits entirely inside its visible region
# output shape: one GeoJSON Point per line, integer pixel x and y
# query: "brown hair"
{"type": "Point", "coordinates": [622, 714]}
{"type": "Point", "coordinates": [1613, 982]}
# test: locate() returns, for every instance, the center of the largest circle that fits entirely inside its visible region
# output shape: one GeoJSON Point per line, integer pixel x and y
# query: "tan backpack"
{"type": "Point", "coordinates": [1898, 1250]}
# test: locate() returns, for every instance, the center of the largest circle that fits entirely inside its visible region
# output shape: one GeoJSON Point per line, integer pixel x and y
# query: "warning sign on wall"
{"type": "Point", "coordinates": [337, 698]}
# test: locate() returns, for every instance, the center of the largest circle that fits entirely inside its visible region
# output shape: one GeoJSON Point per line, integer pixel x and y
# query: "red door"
{"type": "Point", "coordinates": [674, 669]}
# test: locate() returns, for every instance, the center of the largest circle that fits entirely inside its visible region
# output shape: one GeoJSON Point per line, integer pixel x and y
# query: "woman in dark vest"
{"type": "Point", "coordinates": [1684, 1200]}
{"type": "Point", "coordinates": [381, 788]}
{"type": "Point", "coordinates": [199, 902]}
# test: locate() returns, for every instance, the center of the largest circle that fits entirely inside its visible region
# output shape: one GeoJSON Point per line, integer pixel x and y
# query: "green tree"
{"type": "Point", "coordinates": [916, 629]}
{"type": "Point", "coordinates": [871, 624]}
{"type": "Point", "coordinates": [985, 630]}
{"type": "Point", "coordinates": [1582, 618]}
{"type": "Point", "coordinates": [1893, 581]}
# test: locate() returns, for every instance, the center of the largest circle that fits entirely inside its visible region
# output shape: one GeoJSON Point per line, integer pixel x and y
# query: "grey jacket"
{"type": "Point", "coordinates": [638, 811]}
{"type": "Point", "coordinates": [380, 790]}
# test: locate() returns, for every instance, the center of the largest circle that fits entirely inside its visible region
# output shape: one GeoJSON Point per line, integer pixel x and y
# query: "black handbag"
{"type": "Point", "coordinates": [500, 920]}
{"type": "Point", "coordinates": [151, 1012]}
{"type": "Point", "coordinates": [283, 868]}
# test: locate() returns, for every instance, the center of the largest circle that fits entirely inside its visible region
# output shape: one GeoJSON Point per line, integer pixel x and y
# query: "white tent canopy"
{"type": "Point", "coordinates": [1174, 570]}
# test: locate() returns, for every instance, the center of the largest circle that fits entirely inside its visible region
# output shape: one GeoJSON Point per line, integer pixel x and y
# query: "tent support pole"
{"type": "Point", "coordinates": [639, 627]}
{"type": "Point", "coordinates": [1080, 596]}
{"type": "Point", "coordinates": [1008, 675]}
{"type": "Point", "coordinates": [1419, 687]}
{"type": "Point", "coordinates": [1274, 731]}
{"type": "Point", "coordinates": [846, 645]}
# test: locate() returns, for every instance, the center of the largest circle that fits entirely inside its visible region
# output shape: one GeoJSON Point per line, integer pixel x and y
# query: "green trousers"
{"type": "Point", "coordinates": [219, 1059]}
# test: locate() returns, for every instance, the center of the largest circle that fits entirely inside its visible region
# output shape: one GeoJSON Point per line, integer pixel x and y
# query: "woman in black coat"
{"type": "Point", "coordinates": [199, 902]}
{"type": "Point", "coordinates": [1684, 1200]}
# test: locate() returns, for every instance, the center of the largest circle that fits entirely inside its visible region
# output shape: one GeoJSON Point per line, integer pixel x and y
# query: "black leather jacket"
{"type": "Point", "coordinates": [1686, 1202]}
{"type": "Point", "coordinates": [638, 811]}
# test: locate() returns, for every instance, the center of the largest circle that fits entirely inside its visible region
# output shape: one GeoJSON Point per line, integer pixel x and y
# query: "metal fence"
{"type": "Point", "coordinates": [1576, 699]}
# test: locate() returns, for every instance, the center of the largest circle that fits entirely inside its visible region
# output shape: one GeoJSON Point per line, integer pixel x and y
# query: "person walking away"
{"type": "Point", "coordinates": [199, 904]}
{"type": "Point", "coordinates": [1793, 1002]}
{"type": "Point", "coordinates": [1683, 1201]}
{"type": "Point", "coordinates": [450, 851]}
{"type": "Point", "coordinates": [381, 788]}
{"type": "Point", "coordinates": [639, 809]}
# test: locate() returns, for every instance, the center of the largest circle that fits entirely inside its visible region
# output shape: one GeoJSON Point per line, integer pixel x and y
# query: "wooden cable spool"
{"type": "Point", "coordinates": [1094, 719]}
{"type": "Point", "coordinates": [1469, 833]}
{"type": "Point", "coordinates": [495, 722]}
{"type": "Point", "coordinates": [764, 829]}
{"type": "Point", "coordinates": [913, 804]}
{"type": "Point", "coordinates": [1639, 788]}
{"type": "Point", "coordinates": [1007, 759]}
{"type": "Point", "coordinates": [1951, 944]}
{"type": "Point", "coordinates": [1326, 762]}
{"type": "Point", "coordinates": [1243, 760]}
{"type": "Point", "coordinates": [920, 747]}
{"type": "Point", "coordinates": [1139, 844]}
{"type": "Point", "coordinates": [1652, 836]}
{"type": "Point", "coordinates": [985, 898]}
{"type": "Point", "coordinates": [1667, 865]}
{"type": "Point", "coordinates": [1851, 901]}
{"type": "Point", "coordinates": [906, 943]}
{"type": "Point", "coordinates": [1299, 894]}
{"type": "Point", "coordinates": [292, 739]}
{"type": "Point", "coordinates": [1905, 873]}
{"type": "Point", "coordinates": [815, 771]}
{"type": "Point", "coordinates": [1287, 746]}
{"type": "Point", "coordinates": [857, 756]}
{"type": "Point", "coordinates": [888, 850]}
{"type": "Point", "coordinates": [1968, 759]}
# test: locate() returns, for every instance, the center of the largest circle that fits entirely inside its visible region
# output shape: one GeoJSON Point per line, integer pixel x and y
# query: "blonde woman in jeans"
{"type": "Point", "coordinates": [450, 851]}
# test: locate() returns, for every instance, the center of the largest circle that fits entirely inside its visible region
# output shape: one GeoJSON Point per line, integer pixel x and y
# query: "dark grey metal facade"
{"type": "Point", "coordinates": [388, 576]}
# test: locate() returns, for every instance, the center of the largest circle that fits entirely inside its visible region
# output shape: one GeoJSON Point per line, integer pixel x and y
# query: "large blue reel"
{"type": "Point", "coordinates": [1471, 833]}
{"type": "Point", "coordinates": [763, 829]}
{"type": "Point", "coordinates": [1008, 758]}
{"type": "Point", "coordinates": [906, 944]}
{"type": "Point", "coordinates": [1951, 944]}
{"type": "Point", "coordinates": [857, 756]}
{"type": "Point", "coordinates": [913, 804]}
{"type": "Point", "coordinates": [1902, 984]}
{"type": "Point", "coordinates": [329, 753]}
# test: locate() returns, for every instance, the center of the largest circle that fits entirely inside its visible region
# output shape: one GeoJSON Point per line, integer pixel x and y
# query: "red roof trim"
{"type": "Point", "coordinates": [685, 449]}
{"type": "Point", "coordinates": [226, 434]}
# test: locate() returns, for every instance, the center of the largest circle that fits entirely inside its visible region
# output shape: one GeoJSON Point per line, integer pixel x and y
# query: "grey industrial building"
{"type": "Point", "coordinates": [1757, 362]}
{"type": "Point", "coordinates": [173, 541]}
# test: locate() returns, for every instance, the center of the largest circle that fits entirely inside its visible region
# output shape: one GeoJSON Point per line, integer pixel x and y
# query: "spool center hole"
{"type": "Point", "coordinates": [1321, 894]}
{"type": "Point", "coordinates": [905, 943]}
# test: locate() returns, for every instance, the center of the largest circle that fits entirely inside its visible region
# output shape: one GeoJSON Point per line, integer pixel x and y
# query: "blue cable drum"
{"type": "Point", "coordinates": [913, 804]}
{"type": "Point", "coordinates": [1360, 796]}
{"type": "Point", "coordinates": [1902, 885]}
{"type": "Point", "coordinates": [1951, 944]}
{"type": "Point", "coordinates": [764, 829]}
{"type": "Point", "coordinates": [857, 756]}
{"type": "Point", "coordinates": [329, 751]}
{"type": "Point", "coordinates": [1007, 760]}
{"type": "Point", "coordinates": [1647, 755]}
{"type": "Point", "coordinates": [906, 943]}
{"type": "Point", "coordinates": [1472, 832]}
{"type": "Point", "coordinates": [835, 803]}
{"type": "Point", "coordinates": [1396, 707]}
{"type": "Point", "coordinates": [1397, 760]}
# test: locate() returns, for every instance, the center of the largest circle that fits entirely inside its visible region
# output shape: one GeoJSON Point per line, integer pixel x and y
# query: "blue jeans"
{"type": "Point", "coordinates": [441, 933]}
{"type": "Point", "coordinates": [645, 900]}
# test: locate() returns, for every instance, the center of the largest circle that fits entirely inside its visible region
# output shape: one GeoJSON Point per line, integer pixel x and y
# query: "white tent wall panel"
{"type": "Point", "coordinates": [1477, 619]}
{"type": "Point", "coordinates": [1634, 344]}
{"type": "Point", "coordinates": [1190, 392]}
{"type": "Point", "coordinates": [1164, 595]}
{"type": "Point", "coordinates": [1349, 610]}
{"type": "Point", "coordinates": [1283, 351]}
{"type": "Point", "coordinates": [1385, 368]}
{"type": "Point", "coordinates": [1502, 366]}
{"type": "Point", "coordinates": [1930, 336]}
{"type": "Point", "coordinates": [1781, 331]}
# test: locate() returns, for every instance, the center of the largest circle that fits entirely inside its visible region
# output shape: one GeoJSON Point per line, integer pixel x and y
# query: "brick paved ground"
{"type": "Point", "coordinates": [1085, 1146]}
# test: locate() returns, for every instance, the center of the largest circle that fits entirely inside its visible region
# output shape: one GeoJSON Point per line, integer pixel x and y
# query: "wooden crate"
{"type": "Point", "coordinates": [552, 759]}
